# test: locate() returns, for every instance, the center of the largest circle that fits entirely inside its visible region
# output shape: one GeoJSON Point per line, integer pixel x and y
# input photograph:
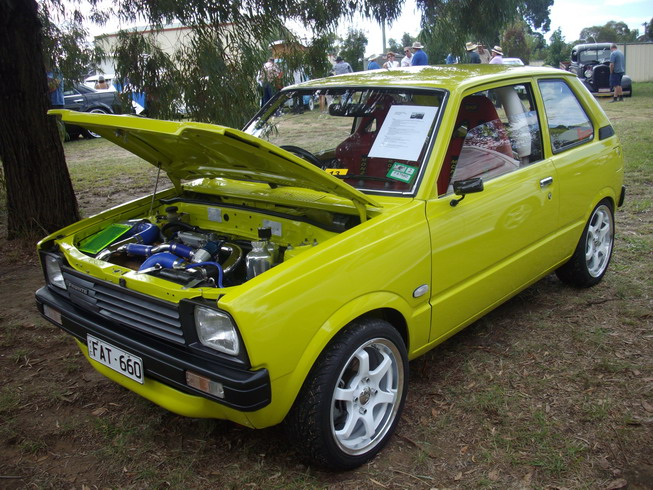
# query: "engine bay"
{"type": "Point", "coordinates": [198, 245]}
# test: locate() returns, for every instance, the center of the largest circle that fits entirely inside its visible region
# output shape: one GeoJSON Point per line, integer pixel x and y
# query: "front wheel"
{"type": "Point", "coordinates": [590, 260]}
{"type": "Point", "coordinates": [352, 399]}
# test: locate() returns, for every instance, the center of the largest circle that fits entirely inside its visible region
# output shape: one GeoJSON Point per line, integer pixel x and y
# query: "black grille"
{"type": "Point", "coordinates": [125, 307]}
{"type": "Point", "coordinates": [601, 77]}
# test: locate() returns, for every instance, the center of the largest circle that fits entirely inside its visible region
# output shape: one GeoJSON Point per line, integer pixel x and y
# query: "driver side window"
{"type": "Point", "coordinates": [497, 131]}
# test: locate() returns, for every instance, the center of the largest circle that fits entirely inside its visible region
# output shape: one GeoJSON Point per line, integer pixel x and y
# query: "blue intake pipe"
{"type": "Point", "coordinates": [166, 260]}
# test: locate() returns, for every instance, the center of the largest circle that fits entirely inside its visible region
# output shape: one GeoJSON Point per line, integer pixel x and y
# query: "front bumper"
{"type": "Point", "coordinates": [165, 364]}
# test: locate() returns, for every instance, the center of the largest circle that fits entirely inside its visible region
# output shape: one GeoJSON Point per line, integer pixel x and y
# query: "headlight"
{"type": "Point", "coordinates": [588, 73]}
{"type": "Point", "coordinates": [215, 330]}
{"type": "Point", "coordinates": [53, 271]}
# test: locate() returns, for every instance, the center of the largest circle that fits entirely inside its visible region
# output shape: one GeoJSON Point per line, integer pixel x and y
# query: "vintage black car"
{"type": "Point", "coordinates": [79, 97]}
{"type": "Point", "coordinates": [591, 64]}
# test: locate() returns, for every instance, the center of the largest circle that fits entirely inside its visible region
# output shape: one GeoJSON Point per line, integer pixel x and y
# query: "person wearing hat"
{"type": "Point", "coordinates": [373, 65]}
{"type": "Point", "coordinates": [391, 63]}
{"type": "Point", "coordinates": [419, 57]}
{"type": "Point", "coordinates": [483, 53]}
{"type": "Point", "coordinates": [341, 67]}
{"type": "Point", "coordinates": [405, 61]}
{"type": "Point", "coordinates": [497, 56]}
{"type": "Point", "coordinates": [101, 84]}
{"type": "Point", "coordinates": [270, 76]}
{"type": "Point", "coordinates": [472, 54]}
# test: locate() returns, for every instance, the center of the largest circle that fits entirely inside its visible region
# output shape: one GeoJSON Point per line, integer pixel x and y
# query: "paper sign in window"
{"type": "Point", "coordinates": [403, 132]}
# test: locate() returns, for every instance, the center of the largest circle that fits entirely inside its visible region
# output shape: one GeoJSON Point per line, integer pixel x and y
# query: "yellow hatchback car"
{"type": "Point", "coordinates": [295, 267]}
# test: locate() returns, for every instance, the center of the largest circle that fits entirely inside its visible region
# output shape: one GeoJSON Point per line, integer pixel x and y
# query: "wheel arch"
{"type": "Point", "coordinates": [606, 194]}
{"type": "Point", "coordinates": [100, 106]}
{"type": "Point", "coordinates": [381, 305]}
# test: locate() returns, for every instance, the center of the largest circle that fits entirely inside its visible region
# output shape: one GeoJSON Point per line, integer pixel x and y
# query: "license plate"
{"type": "Point", "coordinates": [115, 358]}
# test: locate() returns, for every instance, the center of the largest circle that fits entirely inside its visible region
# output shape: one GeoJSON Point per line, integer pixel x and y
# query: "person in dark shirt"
{"type": "Point", "coordinates": [55, 88]}
{"type": "Point", "coordinates": [373, 65]}
{"type": "Point", "coordinates": [472, 54]}
{"type": "Point", "coordinates": [419, 58]}
{"type": "Point", "coordinates": [617, 70]}
{"type": "Point", "coordinates": [341, 67]}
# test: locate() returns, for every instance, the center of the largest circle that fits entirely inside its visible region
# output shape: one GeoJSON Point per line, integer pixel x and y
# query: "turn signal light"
{"type": "Point", "coordinates": [204, 384]}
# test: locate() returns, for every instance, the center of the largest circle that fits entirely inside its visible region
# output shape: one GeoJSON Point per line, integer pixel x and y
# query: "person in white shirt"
{"type": "Point", "coordinates": [497, 56]}
{"type": "Point", "coordinates": [391, 63]}
{"type": "Point", "coordinates": [405, 61]}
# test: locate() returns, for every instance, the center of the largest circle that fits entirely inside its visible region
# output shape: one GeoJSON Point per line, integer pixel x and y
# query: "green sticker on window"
{"type": "Point", "coordinates": [402, 172]}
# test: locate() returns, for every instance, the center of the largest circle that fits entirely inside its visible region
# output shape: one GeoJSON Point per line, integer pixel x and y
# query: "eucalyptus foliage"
{"type": "Point", "coordinates": [515, 42]}
{"type": "Point", "coordinates": [352, 49]}
{"type": "Point", "coordinates": [558, 49]}
{"type": "Point", "coordinates": [213, 78]}
{"type": "Point", "coordinates": [448, 24]}
{"type": "Point", "coordinates": [611, 32]}
{"type": "Point", "coordinates": [65, 39]}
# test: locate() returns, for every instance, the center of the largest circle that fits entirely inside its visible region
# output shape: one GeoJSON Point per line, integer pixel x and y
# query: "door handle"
{"type": "Point", "coordinates": [546, 182]}
{"type": "Point", "coordinates": [78, 100]}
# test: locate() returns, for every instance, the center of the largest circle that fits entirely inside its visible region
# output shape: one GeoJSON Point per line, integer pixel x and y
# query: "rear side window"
{"type": "Point", "coordinates": [568, 122]}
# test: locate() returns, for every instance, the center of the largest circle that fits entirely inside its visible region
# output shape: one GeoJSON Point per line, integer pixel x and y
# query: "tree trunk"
{"type": "Point", "coordinates": [40, 195]}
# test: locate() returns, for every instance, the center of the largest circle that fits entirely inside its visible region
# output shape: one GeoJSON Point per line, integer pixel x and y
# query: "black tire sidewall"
{"type": "Point", "coordinates": [319, 388]}
{"type": "Point", "coordinates": [575, 272]}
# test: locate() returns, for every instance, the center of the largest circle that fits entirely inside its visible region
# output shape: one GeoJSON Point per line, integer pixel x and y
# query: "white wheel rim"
{"type": "Point", "coordinates": [96, 111]}
{"type": "Point", "coordinates": [367, 398]}
{"type": "Point", "coordinates": [599, 241]}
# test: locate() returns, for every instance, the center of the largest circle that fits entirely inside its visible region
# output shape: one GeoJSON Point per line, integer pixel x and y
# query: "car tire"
{"type": "Point", "coordinates": [87, 133]}
{"type": "Point", "coordinates": [352, 399]}
{"type": "Point", "coordinates": [592, 255]}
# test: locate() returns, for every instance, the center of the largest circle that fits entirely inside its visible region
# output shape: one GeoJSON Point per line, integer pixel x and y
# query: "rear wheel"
{"type": "Point", "coordinates": [87, 133]}
{"type": "Point", "coordinates": [590, 260]}
{"type": "Point", "coordinates": [352, 399]}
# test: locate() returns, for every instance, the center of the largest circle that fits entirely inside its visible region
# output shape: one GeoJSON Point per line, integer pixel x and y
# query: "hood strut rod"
{"type": "Point", "coordinates": [156, 185]}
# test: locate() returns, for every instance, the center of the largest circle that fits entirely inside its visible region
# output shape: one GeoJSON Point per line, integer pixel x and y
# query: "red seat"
{"type": "Point", "coordinates": [352, 152]}
{"type": "Point", "coordinates": [475, 111]}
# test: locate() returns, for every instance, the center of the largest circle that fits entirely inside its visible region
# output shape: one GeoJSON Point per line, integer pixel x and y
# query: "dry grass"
{"type": "Point", "coordinates": [552, 390]}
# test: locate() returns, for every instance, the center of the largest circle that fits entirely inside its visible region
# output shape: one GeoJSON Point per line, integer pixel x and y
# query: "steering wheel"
{"type": "Point", "coordinates": [305, 154]}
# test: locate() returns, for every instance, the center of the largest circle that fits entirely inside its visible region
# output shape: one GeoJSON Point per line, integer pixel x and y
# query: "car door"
{"type": "Point", "coordinates": [73, 99]}
{"type": "Point", "coordinates": [494, 242]}
{"type": "Point", "coordinates": [582, 156]}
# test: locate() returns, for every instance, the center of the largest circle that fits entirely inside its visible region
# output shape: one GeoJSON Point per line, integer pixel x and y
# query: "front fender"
{"type": "Point", "coordinates": [286, 388]}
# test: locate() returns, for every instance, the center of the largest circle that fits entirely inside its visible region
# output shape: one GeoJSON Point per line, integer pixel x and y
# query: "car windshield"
{"type": "Point", "coordinates": [373, 139]}
{"type": "Point", "coordinates": [589, 55]}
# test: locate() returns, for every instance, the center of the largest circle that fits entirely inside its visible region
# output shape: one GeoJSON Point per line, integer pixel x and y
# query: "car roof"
{"type": "Point", "coordinates": [94, 78]}
{"type": "Point", "coordinates": [592, 46]}
{"type": "Point", "coordinates": [454, 78]}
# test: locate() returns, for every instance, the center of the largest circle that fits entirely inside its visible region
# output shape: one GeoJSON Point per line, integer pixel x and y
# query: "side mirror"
{"type": "Point", "coordinates": [464, 187]}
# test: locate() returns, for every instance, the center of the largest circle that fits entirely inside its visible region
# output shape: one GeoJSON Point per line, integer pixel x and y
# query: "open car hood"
{"type": "Point", "coordinates": [187, 151]}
